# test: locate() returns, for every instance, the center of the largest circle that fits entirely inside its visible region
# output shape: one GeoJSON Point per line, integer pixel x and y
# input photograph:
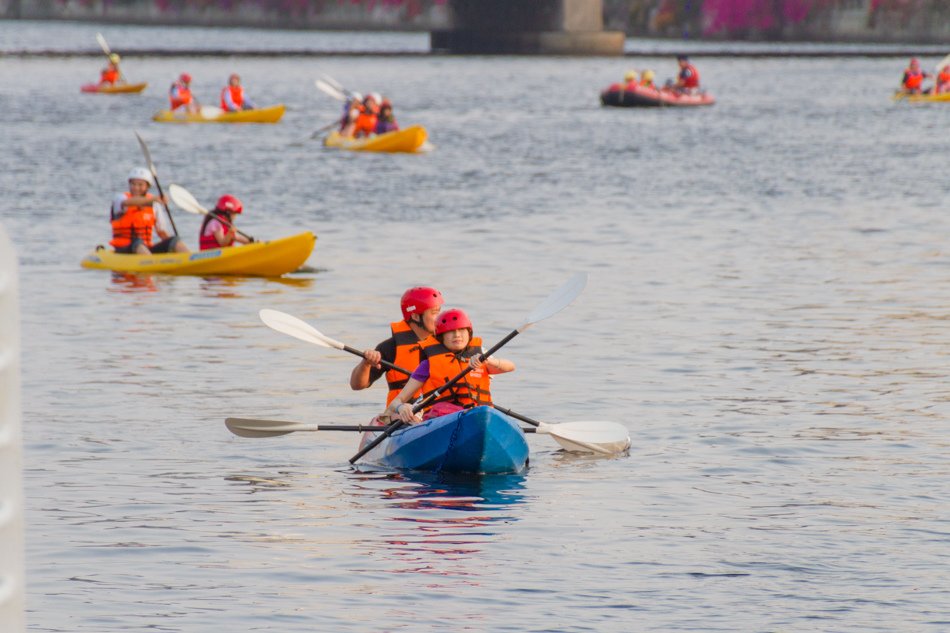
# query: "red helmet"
{"type": "Point", "coordinates": [453, 319]}
{"type": "Point", "coordinates": [419, 299]}
{"type": "Point", "coordinates": [185, 78]}
{"type": "Point", "coordinates": [229, 203]}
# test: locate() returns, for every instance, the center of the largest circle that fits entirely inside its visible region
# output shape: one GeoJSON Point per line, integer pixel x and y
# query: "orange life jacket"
{"type": "Point", "coordinates": [180, 97]}
{"type": "Point", "coordinates": [237, 96]}
{"type": "Point", "coordinates": [135, 222]}
{"type": "Point", "coordinates": [944, 76]}
{"type": "Point", "coordinates": [365, 123]}
{"type": "Point", "coordinates": [471, 391]}
{"type": "Point", "coordinates": [109, 76]}
{"type": "Point", "coordinates": [409, 353]}
{"type": "Point", "coordinates": [913, 79]}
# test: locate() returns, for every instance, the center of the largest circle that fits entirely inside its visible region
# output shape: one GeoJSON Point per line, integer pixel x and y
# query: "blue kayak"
{"type": "Point", "coordinates": [480, 440]}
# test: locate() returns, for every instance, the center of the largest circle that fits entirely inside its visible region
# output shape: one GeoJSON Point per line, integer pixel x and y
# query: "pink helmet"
{"type": "Point", "coordinates": [419, 299]}
{"type": "Point", "coordinates": [185, 78]}
{"type": "Point", "coordinates": [229, 203]}
{"type": "Point", "coordinates": [453, 319]}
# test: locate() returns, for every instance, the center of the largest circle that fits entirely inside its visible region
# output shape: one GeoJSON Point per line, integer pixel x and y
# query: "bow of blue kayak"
{"type": "Point", "coordinates": [480, 441]}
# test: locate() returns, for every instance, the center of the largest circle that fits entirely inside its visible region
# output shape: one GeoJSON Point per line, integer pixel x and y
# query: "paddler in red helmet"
{"type": "Point", "coordinates": [180, 95]}
{"type": "Point", "coordinates": [217, 228]}
{"type": "Point", "coordinates": [420, 308]}
{"type": "Point", "coordinates": [457, 350]}
{"type": "Point", "coordinates": [687, 82]}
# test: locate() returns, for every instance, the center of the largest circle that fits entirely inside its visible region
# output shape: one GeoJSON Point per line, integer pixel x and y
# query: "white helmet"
{"type": "Point", "coordinates": [140, 173]}
{"type": "Point", "coordinates": [378, 98]}
{"type": "Point", "coordinates": [357, 96]}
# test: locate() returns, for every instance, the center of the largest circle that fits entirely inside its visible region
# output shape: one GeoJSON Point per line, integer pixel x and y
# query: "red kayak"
{"type": "Point", "coordinates": [647, 97]}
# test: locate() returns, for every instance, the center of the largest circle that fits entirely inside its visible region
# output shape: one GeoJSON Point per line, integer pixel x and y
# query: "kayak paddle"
{"type": "Point", "coordinates": [602, 437]}
{"type": "Point", "coordinates": [151, 168]}
{"type": "Point", "coordinates": [250, 427]}
{"type": "Point", "coordinates": [183, 198]}
{"type": "Point", "coordinates": [560, 299]}
{"type": "Point", "coordinates": [105, 49]}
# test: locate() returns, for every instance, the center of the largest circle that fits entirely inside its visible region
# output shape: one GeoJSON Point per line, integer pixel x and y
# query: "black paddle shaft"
{"type": "Point", "coordinates": [432, 396]}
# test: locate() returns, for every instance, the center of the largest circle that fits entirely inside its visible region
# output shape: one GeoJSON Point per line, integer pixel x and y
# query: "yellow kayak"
{"type": "Point", "coordinates": [943, 96]}
{"type": "Point", "coordinates": [261, 259]}
{"type": "Point", "coordinates": [211, 114]}
{"type": "Point", "coordinates": [408, 140]}
{"type": "Point", "coordinates": [114, 89]}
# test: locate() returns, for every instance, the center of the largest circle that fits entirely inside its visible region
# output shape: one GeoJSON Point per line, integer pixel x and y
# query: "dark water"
{"type": "Point", "coordinates": [767, 314]}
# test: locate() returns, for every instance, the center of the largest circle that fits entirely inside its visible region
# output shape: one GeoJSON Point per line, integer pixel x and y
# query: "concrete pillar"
{"type": "Point", "coordinates": [528, 27]}
{"type": "Point", "coordinates": [12, 619]}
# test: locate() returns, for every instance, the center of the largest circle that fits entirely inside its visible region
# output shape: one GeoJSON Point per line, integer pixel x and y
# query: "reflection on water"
{"type": "Point", "coordinates": [438, 522]}
{"type": "Point", "coordinates": [223, 287]}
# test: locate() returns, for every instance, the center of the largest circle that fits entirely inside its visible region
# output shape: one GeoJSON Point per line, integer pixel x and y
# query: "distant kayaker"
{"type": "Point", "coordinates": [913, 80]}
{"type": "Point", "coordinates": [134, 216]}
{"type": "Point", "coordinates": [111, 73]}
{"type": "Point", "coordinates": [351, 110]}
{"type": "Point", "coordinates": [646, 79]}
{"type": "Point", "coordinates": [687, 82]}
{"type": "Point", "coordinates": [180, 95]}
{"type": "Point", "coordinates": [233, 98]}
{"type": "Point", "coordinates": [366, 121]}
{"type": "Point", "coordinates": [942, 83]}
{"type": "Point", "coordinates": [217, 228]}
{"type": "Point", "coordinates": [386, 122]}
{"type": "Point", "coordinates": [630, 80]}
{"type": "Point", "coordinates": [420, 308]}
{"type": "Point", "coordinates": [457, 349]}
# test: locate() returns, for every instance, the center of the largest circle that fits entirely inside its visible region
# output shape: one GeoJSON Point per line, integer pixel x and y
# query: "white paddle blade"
{"type": "Point", "coordinates": [329, 90]}
{"type": "Point", "coordinates": [266, 428]}
{"type": "Point", "coordinates": [183, 198]}
{"type": "Point", "coordinates": [146, 153]}
{"type": "Point", "coordinates": [589, 436]}
{"type": "Point", "coordinates": [103, 44]}
{"type": "Point", "coordinates": [333, 82]}
{"type": "Point", "coordinates": [560, 299]}
{"type": "Point", "coordinates": [943, 62]}
{"type": "Point", "coordinates": [210, 112]}
{"type": "Point", "coordinates": [297, 328]}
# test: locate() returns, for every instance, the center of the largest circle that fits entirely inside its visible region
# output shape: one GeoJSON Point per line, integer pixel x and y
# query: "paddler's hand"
{"type": "Point", "coordinates": [475, 362]}
{"type": "Point", "coordinates": [371, 358]}
{"type": "Point", "coordinates": [404, 413]}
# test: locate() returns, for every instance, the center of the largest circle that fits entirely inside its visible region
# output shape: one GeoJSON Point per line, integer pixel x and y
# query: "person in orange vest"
{"type": "Point", "coordinates": [646, 79]}
{"type": "Point", "coordinates": [457, 349]}
{"type": "Point", "coordinates": [630, 80]}
{"type": "Point", "coordinates": [942, 83]}
{"type": "Point", "coordinates": [913, 80]}
{"type": "Point", "coordinates": [420, 308]}
{"type": "Point", "coordinates": [135, 217]}
{"type": "Point", "coordinates": [233, 98]}
{"type": "Point", "coordinates": [217, 228]}
{"type": "Point", "coordinates": [351, 111]}
{"type": "Point", "coordinates": [111, 73]}
{"type": "Point", "coordinates": [180, 95]}
{"type": "Point", "coordinates": [366, 121]}
{"type": "Point", "coordinates": [687, 81]}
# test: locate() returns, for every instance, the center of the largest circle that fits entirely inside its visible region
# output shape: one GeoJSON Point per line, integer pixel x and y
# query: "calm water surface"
{"type": "Point", "coordinates": [767, 313]}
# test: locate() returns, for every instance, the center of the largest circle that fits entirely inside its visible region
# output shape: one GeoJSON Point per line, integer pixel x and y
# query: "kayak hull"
{"type": "Point", "coordinates": [261, 259]}
{"type": "Point", "coordinates": [271, 114]}
{"type": "Point", "coordinates": [645, 97]}
{"type": "Point", "coordinates": [407, 140]}
{"type": "Point", "coordinates": [480, 441]}
{"type": "Point", "coordinates": [927, 98]}
{"type": "Point", "coordinates": [116, 89]}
